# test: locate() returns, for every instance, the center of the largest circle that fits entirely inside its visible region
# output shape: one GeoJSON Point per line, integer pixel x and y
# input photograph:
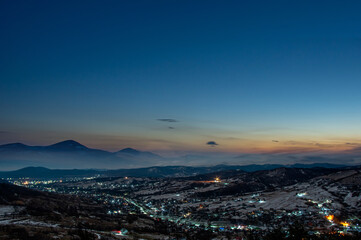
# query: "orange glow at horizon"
{"type": "Point", "coordinates": [229, 143]}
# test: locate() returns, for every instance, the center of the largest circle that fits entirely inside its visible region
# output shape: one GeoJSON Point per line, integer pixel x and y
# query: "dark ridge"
{"type": "Point", "coordinates": [129, 151]}
{"type": "Point", "coordinates": [13, 145]}
{"type": "Point", "coordinates": [196, 173]}
{"type": "Point", "coordinates": [265, 180]}
{"type": "Point", "coordinates": [66, 145]}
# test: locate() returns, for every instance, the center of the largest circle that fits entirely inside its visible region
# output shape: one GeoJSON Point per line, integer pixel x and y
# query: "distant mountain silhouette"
{"type": "Point", "coordinates": [67, 145]}
{"type": "Point", "coordinates": [199, 173]}
{"type": "Point", "coordinates": [13, 146]}
{"type": "Point", "coordinates": [313, 165]}
{"type": "Point", "coordinates": [72, 154]}
{"type": "Point", "coordinates": [41, 172]}
{"type": "Point", "coordinates": [64, 145]}
{"type": "Point", "coordinates": [129, 151]}
{"type": "Point", "coordinates": [169, 171]}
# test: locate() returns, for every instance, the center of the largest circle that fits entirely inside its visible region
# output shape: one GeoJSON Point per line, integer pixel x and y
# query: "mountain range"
{"type": "Point", "coordinates": [160, 171]}
{"type": "Point", "coordinates": [71, 154]}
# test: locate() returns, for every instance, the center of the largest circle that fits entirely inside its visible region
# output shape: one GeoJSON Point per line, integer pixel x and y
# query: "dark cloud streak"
{"type": "Point", "coordinates": [170, 120]}
{"type": "Point", "coordinates": [212, 143]}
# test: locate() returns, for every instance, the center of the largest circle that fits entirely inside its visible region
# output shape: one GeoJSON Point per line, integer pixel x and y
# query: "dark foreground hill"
{"type": "Point", "coordinates": [241, 182]}
{"type": "Point", "coordinates": [33, 215]}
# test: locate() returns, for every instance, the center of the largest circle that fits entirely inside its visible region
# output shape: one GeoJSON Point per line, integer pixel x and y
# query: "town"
{"type": "Point", "coordinates": [324, 204]}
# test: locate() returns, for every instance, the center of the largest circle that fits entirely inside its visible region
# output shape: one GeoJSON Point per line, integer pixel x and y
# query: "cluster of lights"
{"type": "Point", "coordinates": [331, 218]}
{"type": "Point", "coordinates": [187, 215]}
{"type": "Point", "coordinates": [345, 224]}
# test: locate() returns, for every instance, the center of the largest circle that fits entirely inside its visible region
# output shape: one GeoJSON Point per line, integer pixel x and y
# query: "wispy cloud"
{"type": "Point", "coordinates": [352, 144]}
{"type": "Point", "coordinates": [170, 120]}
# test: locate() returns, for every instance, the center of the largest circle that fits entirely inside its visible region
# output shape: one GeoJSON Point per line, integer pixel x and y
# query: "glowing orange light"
{"type": "Point", "coordinates": [217, 179]}
{"type": "Point", "coordinates": [330, 218]}
{"type": "Point", "coordinates": [26, 183]}
{"type": "Point", "coordinates": [345, 224]}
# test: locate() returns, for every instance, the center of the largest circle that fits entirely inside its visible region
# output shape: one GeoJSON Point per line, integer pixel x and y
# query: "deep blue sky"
{"type": "Point", "coordinates": [240, 73]}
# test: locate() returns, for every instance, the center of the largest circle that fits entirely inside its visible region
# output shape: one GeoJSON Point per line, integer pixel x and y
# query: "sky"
{"type": "Point", "coordinates": [182, 77]}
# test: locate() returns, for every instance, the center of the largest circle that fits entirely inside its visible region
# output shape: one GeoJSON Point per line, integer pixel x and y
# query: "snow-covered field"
{"type": "Point", "coordinates": [317, 197]}
{"type": "Point", "coordinates": [5, 210]}
{"type": "Point", "coordinates": [9, 221]}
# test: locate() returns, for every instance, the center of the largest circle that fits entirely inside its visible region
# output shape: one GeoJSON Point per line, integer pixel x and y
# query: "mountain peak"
{"type": "Point", "coordinates": [129, 150]}
{"type": "Point", "coordinates": [13, 145]}
{"type": "Point", "coordinates": [68, 144]}
{"type": "Point", "coordinates": [33, 169]}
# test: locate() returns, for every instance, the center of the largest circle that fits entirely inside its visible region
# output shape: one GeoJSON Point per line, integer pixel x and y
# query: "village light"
{"type": "Point", "coordinates": [345, 224]}
{"type": "Point", "coordinates": [330, 218]}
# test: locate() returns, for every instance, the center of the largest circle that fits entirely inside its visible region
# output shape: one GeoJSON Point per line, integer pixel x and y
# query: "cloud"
{"type": "Point", "coordinates": [310, 144]}
{"type": "Point", "coordinates": [275, 141]}
{"type": "Point", "coordinates": [352, 144]}
{"type": "Point", "coordinates": [171, 128]}
{"type": "Point", "coordinates": [212, 143]}
{"type": "Point", "coordinates": [170, 120]}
